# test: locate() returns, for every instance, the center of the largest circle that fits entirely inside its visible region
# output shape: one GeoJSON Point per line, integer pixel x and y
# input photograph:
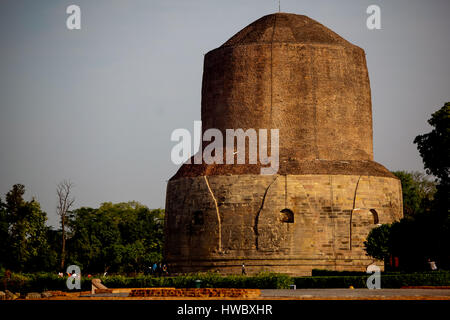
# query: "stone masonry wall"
{"type": "Point", "coordinates": [220, 222]}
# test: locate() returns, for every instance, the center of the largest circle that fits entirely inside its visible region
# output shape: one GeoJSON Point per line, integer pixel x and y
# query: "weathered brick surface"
{"type": "Point", "coordinates": [332, 218]}
{"type": "Point", "coordinates": [290, 72]}
{"type": "Point", "coordinates": [33, 295]}
{"type": "Point", "coordinates": [189, 292]}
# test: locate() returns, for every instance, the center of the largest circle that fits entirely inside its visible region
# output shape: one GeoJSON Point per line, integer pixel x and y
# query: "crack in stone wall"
{"type": "Point", "coordinates": [255, 227]}
{"type": "Point", "coordinates": [219, 220]}
{"type": "Point", "coordinates": [351, 213]}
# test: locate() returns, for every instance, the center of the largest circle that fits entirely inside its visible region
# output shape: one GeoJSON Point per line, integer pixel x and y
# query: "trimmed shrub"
{"type": "Point", "coordinates": [208, 280]}
{"type": "Point", "coordinates": [39, 282]}
{"type": "Point", "coordinates": [388, 280]}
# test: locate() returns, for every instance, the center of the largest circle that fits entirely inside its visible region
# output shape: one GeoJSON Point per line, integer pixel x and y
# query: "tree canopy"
{"type": "Point", "coordinates": [424, 232]}
{"type": "Point", "coordinates": [23, 232]}
{"type": "Point", "coordinates": [434, 146]}
{"type": "Point", "coordinates": [115, 237]}
{"type": "Point", "coordinates": [417, 190]}
{"type": "Point", "coordinates": [121, 237]}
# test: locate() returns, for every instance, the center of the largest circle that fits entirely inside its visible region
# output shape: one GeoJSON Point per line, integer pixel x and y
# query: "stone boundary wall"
{"type": "Point", "coordinates": [190, 292]}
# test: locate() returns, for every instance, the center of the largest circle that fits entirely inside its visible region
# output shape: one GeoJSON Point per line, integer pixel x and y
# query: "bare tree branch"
{"type": "Point", "coordinates": [65, 202]}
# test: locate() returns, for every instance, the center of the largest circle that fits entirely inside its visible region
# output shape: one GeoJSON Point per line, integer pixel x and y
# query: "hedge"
{"type": "Point", "coordinates": [208, 280]}
{"type": "Point", "coordinates": [45, 281]}
{"type": "Point", "coordinates": [388, 280]}
{"type": "Point", "coordinates": [39, 282]}
{"type": "Point", "coordinates": [42, 281]}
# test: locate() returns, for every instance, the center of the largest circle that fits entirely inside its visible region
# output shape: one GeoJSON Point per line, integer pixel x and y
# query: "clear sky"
{"type": "Point", "coordinates": [97, 105]}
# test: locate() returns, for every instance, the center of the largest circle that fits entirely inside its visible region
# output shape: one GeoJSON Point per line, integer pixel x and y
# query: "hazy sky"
{"type": "Point", "coordinates": [97, 105]}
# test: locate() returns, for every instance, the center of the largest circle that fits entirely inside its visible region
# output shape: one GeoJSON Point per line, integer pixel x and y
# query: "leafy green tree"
{"type": "Point", "coordinates": [377, 244]}
{"type": "Point", "coordinates": [4, 235]}
{"type": "Point", "coordinates": [14, 200]}
{"type": "Point", "coordinates": [418, 192]}
{"type": "Point", "coordinates": [18, 226]}
{"type": "Point", "coordinates": [424, 233]}
{"type": "Point", "coordinates": [409, 243]}
{"type": "Point", "coordinates": [410, 239]}
{"type": "Point", "coordinates": [83, 245]}
{"type": "Point", "coordinates": [51, 253]}
{"type": "Point", "coordinates": [116, 237]}
{"type": "Point", "coordinates": [434, 148]}
{"type": "Point", "coordinates": [27, 232]}
{"type": "Point", "coordinates": [37, 246]}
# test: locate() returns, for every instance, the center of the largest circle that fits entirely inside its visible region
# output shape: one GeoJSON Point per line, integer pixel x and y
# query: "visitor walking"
{"type": "Point", "coordinates": [432, 265]}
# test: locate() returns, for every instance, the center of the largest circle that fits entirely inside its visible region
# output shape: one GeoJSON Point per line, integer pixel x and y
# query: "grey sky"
{"type": "Point", "coordinates": [97, 105]}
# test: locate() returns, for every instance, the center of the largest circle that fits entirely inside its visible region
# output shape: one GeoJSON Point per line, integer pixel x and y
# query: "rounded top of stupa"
{"type": "Point", "coordinates": [286, 28]}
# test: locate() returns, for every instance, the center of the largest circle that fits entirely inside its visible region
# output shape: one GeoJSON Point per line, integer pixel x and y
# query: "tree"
{"type": "Point", "coordinates": [65, 202]}
{"type": "Point", "coordinates": [410, 240]}
{"type": "Point", "coordinates": [17, 226]}
{"type": "Point", "coordinates": [434, 148]}
{"type": "Point", "coordinates": [116, 237]}
{"type": "Point", "coordinates": [84, 246]}
{"type": "Point", "coordinates": [424, 233]}
{"type": "Point", "coordinates": [377, 243]}
{"type": "Point", "coordinates": [418, 192]}
{"type": "Point", "coordinates": [4, 235]}
{"type": "Point", "coordinates": [37, 246]}
{"type": "Point", "coordinates": [27, 232]}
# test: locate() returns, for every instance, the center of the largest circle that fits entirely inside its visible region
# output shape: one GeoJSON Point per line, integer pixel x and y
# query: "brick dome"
{"type": "Point", "coordinates": [286, 28]}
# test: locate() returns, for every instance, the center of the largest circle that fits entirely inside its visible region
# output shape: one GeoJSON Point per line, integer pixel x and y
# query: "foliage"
{"type": "Point", "coordinates": [50, 281]}
{"type": "Point", "coordinates": [4, 234]}
{"type": "Point", "coordinates": [23, 233]}
{"type": "Point", "coordinates": [413, 241]}
{"type": "Point", "coordinates": [121, 237]}
{"type": "Point", "coordinates": [387, 280]}
{"type": "Point", "coordinates": [329, 279]}
{"type": "Point", "coordinates": [377, 243]}
{"type": "Point", "coordinates": [39, 282]}
{"type": "Point", "coordinates": [418, 192]}
{"type": "Point", "coordinates": [208, 280]}
{"type": "Point", "coordinates": [424, 232]}
{"type": "Point", "coordinates": [434, 146]}
{"type": "Point", "coordinates": [434, 149]}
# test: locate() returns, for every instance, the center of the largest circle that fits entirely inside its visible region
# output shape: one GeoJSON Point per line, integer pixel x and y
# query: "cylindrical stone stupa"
{"type": "Point", "coordinates": [286, 72]}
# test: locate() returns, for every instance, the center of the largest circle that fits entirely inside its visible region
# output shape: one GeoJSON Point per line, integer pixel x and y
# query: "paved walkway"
{"type": "Point", "coordinates": [311, 294]}
{"type": "Point", "coordinates": [357, 294]}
